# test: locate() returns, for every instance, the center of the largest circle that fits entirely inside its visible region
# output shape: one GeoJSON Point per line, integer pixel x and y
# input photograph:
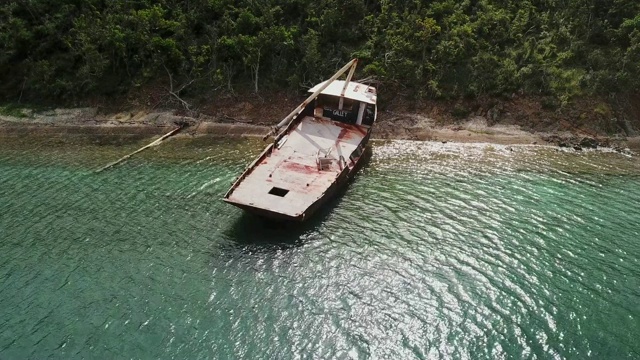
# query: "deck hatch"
{"type": "Point", "coordinates": [278, 191]}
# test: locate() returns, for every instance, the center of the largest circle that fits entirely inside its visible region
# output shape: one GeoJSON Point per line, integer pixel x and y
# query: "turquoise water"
{"type": "Point", "coordinates": [434, 251]}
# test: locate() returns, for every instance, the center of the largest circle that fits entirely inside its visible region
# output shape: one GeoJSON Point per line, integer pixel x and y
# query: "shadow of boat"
{"type": "Point", "coordinates": [255, 233]}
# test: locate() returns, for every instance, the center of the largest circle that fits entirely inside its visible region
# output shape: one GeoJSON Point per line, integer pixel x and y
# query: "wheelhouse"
{"type": "Point", "coordinates": [349, 103]}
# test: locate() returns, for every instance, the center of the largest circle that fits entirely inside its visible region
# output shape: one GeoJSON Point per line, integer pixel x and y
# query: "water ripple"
{"type": "Point", "coordinates": [435, 251]}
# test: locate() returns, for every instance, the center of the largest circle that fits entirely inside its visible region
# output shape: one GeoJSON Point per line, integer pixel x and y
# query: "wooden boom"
{"type": "Point", "coordinates": [350, 65]}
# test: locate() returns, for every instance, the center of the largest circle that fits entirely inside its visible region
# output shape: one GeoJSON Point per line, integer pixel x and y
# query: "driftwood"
{"type": "Point", "coordinates": [156, 142]}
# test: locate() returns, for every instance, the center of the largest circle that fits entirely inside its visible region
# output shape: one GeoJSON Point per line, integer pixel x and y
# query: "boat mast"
{"type": "Point", "coordinates": [350, 65]}
{"type": "Point", "coordinates": [346, 84]}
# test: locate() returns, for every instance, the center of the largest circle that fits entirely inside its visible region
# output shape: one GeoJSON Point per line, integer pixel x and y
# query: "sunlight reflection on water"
{"type": "Point", "coordinates": [434, 251]}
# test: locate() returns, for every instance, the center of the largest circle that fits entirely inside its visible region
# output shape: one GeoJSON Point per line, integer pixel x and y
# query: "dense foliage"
{"type": "Point", "coordinates": [63, 49]}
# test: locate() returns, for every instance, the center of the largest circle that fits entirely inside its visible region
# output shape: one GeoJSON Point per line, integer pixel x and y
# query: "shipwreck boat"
{"type": "Point", "coordinates": [316, 150]}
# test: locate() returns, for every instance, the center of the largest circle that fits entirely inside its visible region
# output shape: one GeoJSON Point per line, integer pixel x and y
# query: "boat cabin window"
{"type": "Point", "coordinates": [369, 115]}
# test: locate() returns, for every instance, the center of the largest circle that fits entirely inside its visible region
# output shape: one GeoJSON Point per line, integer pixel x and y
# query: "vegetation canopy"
{"type": "Point", "coordinates": [71, 49]}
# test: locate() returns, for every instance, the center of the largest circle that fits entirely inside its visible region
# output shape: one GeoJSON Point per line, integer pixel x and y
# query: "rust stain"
{"type": "Point", "coordinates": [297, 167]}
{"type": "Point", "coordinates": [356, 128]}
{"type": "Point", "coordinates": [343, 135]}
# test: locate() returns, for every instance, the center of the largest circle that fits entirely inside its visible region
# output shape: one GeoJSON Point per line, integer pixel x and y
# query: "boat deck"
{"type": "Point", "coordinates": [288, 181]}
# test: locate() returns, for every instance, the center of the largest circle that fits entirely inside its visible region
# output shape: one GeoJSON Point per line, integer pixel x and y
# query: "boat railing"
{"type": "Point", "coordinates": [324, 161]}
{"type": "Point", "coordinates": [343, 162]}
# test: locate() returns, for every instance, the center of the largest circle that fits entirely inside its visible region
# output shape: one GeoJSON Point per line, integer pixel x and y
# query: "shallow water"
{"type": "Point", "coordinates": [434, 251]}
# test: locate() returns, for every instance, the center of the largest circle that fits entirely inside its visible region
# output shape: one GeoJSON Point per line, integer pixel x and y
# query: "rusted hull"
{"type": "Point", "coordinates": [334, 189]}
{"type": "Point", "coordinates": [265, 213]}
{"type": "Point", "coordinates": [317, 148]}
{"type": "Point", "coordinates": [301, 170]}
{"type": "Point", "coordinates": [340, 184]}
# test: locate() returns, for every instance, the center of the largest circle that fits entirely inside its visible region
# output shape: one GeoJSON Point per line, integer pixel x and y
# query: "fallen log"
{"type": "Point", "coordinates": [156, 142]}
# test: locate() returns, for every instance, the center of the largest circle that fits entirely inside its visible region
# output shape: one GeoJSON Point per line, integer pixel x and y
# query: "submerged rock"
{"type": "Point", "coordinates": [589, 143]}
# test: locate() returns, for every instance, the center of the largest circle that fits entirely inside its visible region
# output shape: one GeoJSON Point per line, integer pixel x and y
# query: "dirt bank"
{"type": "Point", "coordinates": [584, 124]}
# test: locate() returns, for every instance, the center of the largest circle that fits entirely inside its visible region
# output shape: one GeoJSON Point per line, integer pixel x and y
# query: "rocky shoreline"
{"type": "Point", "coordinates": [391, 125]}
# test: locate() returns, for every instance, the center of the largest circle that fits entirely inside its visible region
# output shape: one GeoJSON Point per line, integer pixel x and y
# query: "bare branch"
{"type": "Point", "coordinates": [186, 105]}
{"type": "Point", "coordinates": [185, 85]}
{"type": "Point", "coordinates": [170, 77]}
{"type": "Point", "coordinates": [175, 94]}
